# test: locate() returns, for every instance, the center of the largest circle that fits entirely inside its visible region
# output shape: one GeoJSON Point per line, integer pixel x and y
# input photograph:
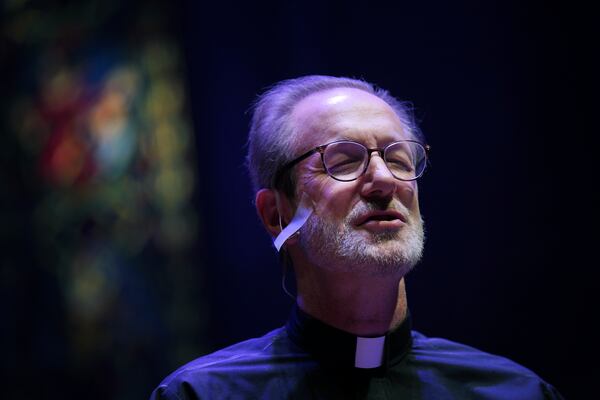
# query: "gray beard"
{"type": "Point", "coordinates": [341, 247]}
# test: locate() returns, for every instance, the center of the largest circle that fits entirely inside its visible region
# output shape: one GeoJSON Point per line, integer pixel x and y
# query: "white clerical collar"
{"type": "Point", "coordinates": [332, 346]}
{"type": "Point", "coordinates": [369, 352]}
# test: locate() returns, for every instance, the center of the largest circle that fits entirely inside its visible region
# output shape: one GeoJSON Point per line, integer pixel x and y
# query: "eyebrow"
{"type": "Point", "coordinates": [385, 142]}
{"type": "Point", "coordinates": [344, 137]}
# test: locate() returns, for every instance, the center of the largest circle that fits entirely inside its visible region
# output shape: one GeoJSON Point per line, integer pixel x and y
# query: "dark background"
{"type": "Point", "coordinates": [498, 89]}
{"type": "Point", "coordinates": [495, 87]}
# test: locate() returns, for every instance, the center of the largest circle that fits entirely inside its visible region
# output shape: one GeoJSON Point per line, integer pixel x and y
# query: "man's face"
{"type": "Point", "coordinates": [371, 226]}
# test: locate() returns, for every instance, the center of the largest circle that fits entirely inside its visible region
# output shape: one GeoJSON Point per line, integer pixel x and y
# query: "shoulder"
{"type": "Point", "coordinates": [188, 381]}
{"type": "Point", "coordinates": [452, 361]}
{"type": "Point", "coordinates": [432, 349]}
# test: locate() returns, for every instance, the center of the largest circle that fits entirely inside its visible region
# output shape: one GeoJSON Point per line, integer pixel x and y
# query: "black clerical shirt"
{"type": "Point", "coordinates": [308, 359]}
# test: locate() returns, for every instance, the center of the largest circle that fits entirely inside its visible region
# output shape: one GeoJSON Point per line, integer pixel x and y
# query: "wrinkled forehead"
{"type": "Point", "coordinates": [345, 113]}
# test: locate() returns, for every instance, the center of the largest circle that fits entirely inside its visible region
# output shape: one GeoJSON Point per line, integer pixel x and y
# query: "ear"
{"type": "Point", "coordinates": [266, 207]}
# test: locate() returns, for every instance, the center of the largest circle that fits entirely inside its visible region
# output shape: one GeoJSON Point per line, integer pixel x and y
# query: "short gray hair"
{"type": "Point", "coordinates": [272, 140]}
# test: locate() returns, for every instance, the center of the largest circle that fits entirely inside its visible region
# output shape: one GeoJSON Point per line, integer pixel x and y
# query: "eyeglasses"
{"type": "Point", "coordinates": [345, 160]}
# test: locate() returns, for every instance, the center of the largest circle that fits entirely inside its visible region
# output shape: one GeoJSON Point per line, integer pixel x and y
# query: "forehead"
{"type": "Point", "coordinates": [345, 113]}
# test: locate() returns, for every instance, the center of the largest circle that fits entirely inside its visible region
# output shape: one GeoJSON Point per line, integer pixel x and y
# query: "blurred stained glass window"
{"type": "Point", "coordinates": [99, 172]}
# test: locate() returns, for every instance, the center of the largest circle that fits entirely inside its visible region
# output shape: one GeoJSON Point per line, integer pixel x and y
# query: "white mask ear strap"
{"type": "Point", "coordinates": [303, 211]}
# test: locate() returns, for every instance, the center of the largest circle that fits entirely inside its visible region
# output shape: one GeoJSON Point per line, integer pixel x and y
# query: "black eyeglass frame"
{"type": "Point", "coordinates": [381, 151]}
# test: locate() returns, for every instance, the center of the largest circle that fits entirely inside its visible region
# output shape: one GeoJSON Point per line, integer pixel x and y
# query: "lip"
{"type": "Point", "coordinates": [375, 226]}
{"type": "Point", "coordinates": [381, 217]}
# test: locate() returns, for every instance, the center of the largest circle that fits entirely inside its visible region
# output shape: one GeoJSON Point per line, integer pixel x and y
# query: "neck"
{"type": "Point", "coordinates": [367, 306]}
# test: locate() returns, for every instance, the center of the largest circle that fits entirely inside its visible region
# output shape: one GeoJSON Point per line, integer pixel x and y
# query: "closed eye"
{"type": "Point", "coordinates": [400, 165]}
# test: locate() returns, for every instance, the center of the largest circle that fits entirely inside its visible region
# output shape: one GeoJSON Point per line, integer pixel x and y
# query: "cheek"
{"type": "Point", "coordinates": [408, 195]}
{"type": "Point", "coordinates": [332, 198]}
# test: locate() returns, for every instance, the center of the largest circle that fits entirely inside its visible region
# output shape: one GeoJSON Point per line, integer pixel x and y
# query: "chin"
{"type": "Point", "coordinates": [383, 257]}
{"type": "Point", "coordinates": [388, 260]}
{"type": "Point", "coordinates": [387, 253]}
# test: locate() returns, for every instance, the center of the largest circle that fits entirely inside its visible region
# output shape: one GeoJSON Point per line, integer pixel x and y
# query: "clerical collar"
{"type": "Point", "coordinates": [338, 348]}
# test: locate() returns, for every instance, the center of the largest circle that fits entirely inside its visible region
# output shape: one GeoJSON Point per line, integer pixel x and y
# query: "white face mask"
{"type": "Point", "coordinates": [304, 210]}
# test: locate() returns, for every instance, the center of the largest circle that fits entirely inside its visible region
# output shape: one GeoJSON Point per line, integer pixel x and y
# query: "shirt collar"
{"type": "Point", "coordinates": [336, 347]}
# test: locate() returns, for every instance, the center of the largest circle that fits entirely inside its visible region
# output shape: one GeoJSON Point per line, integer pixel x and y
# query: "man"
{"type": "Point", "coordinates": [335, 163]}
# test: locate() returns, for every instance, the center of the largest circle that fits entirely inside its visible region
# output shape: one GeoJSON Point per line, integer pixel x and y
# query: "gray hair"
{"type": "Point", "coordinates": [272, 140]}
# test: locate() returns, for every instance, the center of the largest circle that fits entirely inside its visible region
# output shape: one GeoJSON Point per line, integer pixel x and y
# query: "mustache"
{"type": "Point", "coordinates": [363, 208]}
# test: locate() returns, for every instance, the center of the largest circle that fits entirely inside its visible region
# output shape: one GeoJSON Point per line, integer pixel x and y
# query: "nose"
{"type": "Point", "coordinates": [378, 181]}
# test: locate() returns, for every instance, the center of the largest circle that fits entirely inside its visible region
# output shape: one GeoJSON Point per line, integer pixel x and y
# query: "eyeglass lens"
{"type": "Point", "coordinates": [346, 161]}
